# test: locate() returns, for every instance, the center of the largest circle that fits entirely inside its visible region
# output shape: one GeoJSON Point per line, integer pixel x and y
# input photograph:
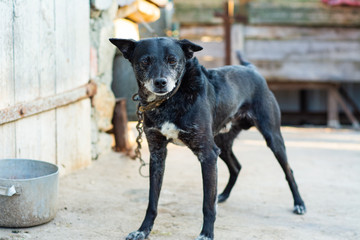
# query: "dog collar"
{"type": "Point", "coordinates": [151, 105]}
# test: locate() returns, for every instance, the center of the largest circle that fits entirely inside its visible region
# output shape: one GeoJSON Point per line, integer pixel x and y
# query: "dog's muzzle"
{"type": "Point", "coordinates": [160, 85]}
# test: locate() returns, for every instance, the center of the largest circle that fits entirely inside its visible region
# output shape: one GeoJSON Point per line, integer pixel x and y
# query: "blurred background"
{"type": "Point", "coordinates": [65, 90]}
{"type": "Point", "coordinates": [303, 48]}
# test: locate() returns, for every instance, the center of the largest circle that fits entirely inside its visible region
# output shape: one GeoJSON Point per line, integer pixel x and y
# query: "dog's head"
{"type": "Point", "coordinates": [158, 63]}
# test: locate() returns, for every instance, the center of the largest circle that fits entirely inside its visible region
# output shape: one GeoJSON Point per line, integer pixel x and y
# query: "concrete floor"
{"type": "Point", "coordinates": [108, 199]}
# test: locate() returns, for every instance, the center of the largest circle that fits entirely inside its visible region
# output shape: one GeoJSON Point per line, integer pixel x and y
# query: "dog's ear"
{"type": "Point", "coordinates": [189, 48]}
{"type": "Point", "coordinates": [126, 46]}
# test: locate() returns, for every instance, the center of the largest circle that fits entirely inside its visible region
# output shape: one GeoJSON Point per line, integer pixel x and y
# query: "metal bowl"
{"type": "Point", "coordinates": [28, 192]}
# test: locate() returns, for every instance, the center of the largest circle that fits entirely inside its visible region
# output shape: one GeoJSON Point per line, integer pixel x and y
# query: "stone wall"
{"type": "Point", "coordinates": [102, 55]}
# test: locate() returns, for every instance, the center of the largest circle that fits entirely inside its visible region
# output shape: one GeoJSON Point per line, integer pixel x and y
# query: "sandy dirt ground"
{"type": "Point", "coordinates": [108, 199]}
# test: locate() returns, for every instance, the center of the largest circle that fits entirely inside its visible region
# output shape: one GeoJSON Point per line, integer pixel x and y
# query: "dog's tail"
{"type": "Point", "coordinates": [243, 61]}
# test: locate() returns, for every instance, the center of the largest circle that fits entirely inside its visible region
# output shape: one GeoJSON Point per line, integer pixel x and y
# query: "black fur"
{"type": "Point", "coordinates": [196, 112]}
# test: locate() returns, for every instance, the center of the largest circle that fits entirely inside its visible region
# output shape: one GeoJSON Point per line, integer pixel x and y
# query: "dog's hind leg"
{"type": "Point", "coordinates": [275, 142]}
{"type": "Point", "coordinates": [268, 123]}
{"type": "Point", "coordinates": [225, 142]}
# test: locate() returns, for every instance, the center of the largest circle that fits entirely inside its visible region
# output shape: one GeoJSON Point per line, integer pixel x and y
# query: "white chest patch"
{"type": "Point", "coordinates": [226, 128]}
{"type": "Point", "coordinates": [170, 131]}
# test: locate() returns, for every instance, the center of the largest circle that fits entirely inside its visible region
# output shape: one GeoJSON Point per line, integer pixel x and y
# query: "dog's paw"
{"type": "Point", "coordinates": [137, 235]}
{"type": "Point", "coordinates": [299, 209]}
{"type": "Point", "coordinates": [202, 237]}
{"type": "Point", "coordinates": [222, 197]}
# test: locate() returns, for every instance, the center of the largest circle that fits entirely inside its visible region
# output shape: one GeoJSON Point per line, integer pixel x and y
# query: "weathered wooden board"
{"type": "Point", "coordinates": [7, 141]}
{"type": "Point", "coordinates": [301, 33]}
{"type": "Point", "coordinates": [191, 12]}
{"type": "Point", "coordinates": [44, 50]}
{"type": "Point", "coordinates": [302, 12]}
{"type": "Point", "coordinates": [291, 50]}
{"type": "Point", "coordinates": [330, 71]}
{"type": "Point", "coordinates": [34, 77]}
{"type": "Point", "coordinates": [199, 3]}
{"type": "Point", "coordinates": [47, 41]}
{"type": "Point", "coordinates": [192, 15]}
{"type": "Point", "coordinates": [196, 32]}
{"type": "Point", "coordinates": [36, 136]}
{"type": "Point", "coordinates": [73, 136]}
{"type": "Point", "coordinates": [72, 70]}
{"type": "Point", "coordinates": [26, 46]}
{"type": "Point", "coordinates": [6, 54]}
{"type": "Point", "coordinates": [7, 132]}
{"type": "Point", "coordinates": [72, 44]}
{"type": "Point", "coordinates": [306, 54]}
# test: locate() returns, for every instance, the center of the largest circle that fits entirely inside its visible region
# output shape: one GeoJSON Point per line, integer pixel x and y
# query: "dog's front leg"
{"type": "Point", "coordinates": [157, 146]}
{"type": "Point", "coordinates": [208, 160]}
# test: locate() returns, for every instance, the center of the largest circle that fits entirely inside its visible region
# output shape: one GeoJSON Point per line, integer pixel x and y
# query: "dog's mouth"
{"type": "Point", "coordinates": [161, 92]}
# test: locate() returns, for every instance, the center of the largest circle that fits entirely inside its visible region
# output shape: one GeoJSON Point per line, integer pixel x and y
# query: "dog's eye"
{"type": "Point", "coordinates": [145, 62]}
{"type": "Point", "coordinates": [172, 60]}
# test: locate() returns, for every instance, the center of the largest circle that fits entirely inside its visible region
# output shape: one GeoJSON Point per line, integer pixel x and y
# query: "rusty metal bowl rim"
{"type": "Point", "coordinates": [56, 172]}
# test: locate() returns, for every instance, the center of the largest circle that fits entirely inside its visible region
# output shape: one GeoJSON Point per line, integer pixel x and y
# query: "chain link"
{"type": "Point", "coordinates": [141, 108]}
{"type": "Point", "coordinates": [140, 129]}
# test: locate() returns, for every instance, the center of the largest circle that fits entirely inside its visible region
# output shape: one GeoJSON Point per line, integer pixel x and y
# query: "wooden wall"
{"type": "Point", "coordinates": [189, 12]}
{"type": "Point", "coordinates": [44, 50]}
{"type": "Point", "coordinates": [302, 13]}
{"type": "Point", "coordinates": [287, 53]}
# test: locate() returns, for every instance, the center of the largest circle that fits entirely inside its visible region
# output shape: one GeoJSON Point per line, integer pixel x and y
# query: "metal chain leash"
{"type": "Point", "coordinates": [141, 108]}
{"type": "Point", "coordinates": [140, 129]}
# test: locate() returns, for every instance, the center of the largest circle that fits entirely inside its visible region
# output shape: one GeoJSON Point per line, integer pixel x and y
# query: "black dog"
{"type": "Point", "coordinates": [186, 104]}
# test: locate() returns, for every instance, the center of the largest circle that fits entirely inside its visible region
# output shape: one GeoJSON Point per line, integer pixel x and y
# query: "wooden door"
{"type": "Point", "coordinates": [44, 51]}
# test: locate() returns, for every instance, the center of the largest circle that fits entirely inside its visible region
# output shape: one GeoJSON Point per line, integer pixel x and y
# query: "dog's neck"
{"type": "Point", "coordinates": [193, 71]}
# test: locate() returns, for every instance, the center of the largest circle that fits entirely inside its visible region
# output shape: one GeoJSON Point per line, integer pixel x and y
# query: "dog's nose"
{"type": "Point", "coordinates": [160, 82]}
